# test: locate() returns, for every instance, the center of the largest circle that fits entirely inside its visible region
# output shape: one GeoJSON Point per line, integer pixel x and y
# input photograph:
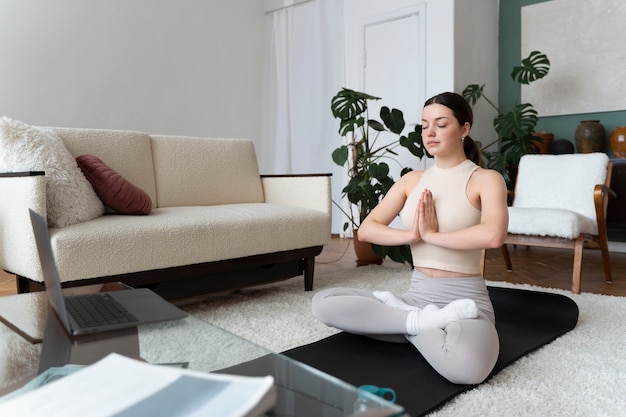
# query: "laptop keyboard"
{"type": "Point", "coordinates": [93, 310]}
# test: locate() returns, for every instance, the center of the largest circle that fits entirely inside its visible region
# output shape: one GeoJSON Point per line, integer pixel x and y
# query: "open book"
{"type": "Point", "coordinates": [120, 386]}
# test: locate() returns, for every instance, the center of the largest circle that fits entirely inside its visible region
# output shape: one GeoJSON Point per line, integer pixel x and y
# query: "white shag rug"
{"type": "Point", "coordinates": [582, 373]}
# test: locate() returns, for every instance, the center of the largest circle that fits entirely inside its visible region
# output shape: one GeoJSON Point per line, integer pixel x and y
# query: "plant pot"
{"type": "Point", "coordinates": [547, 138]}
{"type": "Point", "coordinates": [617, 141]}
{"type": "Point", "coordinates": [590, 136]}
{"type": "Point", "coordinates": [365, 255]}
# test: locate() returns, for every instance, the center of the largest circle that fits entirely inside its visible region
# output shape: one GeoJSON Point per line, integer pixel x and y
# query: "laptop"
{"type": "Point", "coordinates": [78, 315]}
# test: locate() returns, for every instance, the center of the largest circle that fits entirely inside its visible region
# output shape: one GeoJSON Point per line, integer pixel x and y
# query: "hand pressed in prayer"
{"type": "Point", "coordinates": [427, 217]}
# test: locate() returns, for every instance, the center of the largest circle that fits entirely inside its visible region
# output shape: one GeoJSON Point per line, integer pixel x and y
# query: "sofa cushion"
{"type": "Point", "coordinates": [113, 189]}
{"type": "Point", "coordinates": [202, 171]}
{"type": "Point", "coordinates": [128, 153]}
{"type": "Point", "coordinates": [70, 199]}
{"type": "Point", "coordinates": [176, 236]}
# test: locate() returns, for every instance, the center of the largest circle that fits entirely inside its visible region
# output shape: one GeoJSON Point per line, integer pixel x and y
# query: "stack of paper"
{"type": "Point", "coordinates": [119, 386]}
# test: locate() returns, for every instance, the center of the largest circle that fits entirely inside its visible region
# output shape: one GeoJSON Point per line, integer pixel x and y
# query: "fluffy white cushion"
{"type": "Point", "coordinates": [550, 222]}
{"type": "Point", "coordinates": [70, 197]}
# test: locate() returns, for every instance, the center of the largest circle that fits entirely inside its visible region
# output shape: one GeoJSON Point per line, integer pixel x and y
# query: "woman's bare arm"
{"type": "Point", "coordinates": [375, 228]}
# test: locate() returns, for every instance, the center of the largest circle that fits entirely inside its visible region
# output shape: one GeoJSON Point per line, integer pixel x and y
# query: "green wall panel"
{"type": "Point", "coordinates": [563, 127]}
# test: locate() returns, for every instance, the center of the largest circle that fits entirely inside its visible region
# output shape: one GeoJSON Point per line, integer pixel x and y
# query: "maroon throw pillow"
{"type": "Point", "coordinates": [113, 189]}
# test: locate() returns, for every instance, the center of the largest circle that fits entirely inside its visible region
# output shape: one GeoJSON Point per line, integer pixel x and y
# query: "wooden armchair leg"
{"type": "Point", "coordinates": [578, 265]}
{"type": "Point", "coordinates": [606, 261]}
{"type": "Point", "coordinates": [507, 258]}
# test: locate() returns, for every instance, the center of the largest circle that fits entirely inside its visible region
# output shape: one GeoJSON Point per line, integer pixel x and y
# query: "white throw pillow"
{"type": "Point", "coordinates": [70, 197]}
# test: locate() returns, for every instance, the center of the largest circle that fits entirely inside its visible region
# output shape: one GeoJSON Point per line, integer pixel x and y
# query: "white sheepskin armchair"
{"type": "Point", "coordinates": [560, 201]}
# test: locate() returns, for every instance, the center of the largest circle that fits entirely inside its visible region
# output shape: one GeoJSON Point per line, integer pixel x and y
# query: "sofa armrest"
{"type": "Point", "coordinates": [18, 193]}
{"type": "Point", "coordinates": [309, 191]}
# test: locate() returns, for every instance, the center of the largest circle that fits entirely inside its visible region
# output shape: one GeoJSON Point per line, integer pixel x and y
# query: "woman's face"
{"type": "Point", "coordinates": [441, 132]}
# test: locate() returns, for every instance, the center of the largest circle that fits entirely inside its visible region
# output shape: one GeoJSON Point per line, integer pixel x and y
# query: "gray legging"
{"type": "Point", "coordinates": [464, 352]}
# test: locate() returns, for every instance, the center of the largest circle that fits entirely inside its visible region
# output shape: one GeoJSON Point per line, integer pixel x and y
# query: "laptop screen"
{"type": "Point", "coordinates": [50, 273]}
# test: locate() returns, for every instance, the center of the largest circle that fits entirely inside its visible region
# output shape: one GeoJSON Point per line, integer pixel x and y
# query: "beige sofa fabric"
{"type": "Point", "coordinates": [301, 191]}
{"type": "Point", "coordinates": [18, 251]}
{"type": "Point", "coordinates": [178, 236]}
{"type": "Point", "coordinates": [127, 152]}
{"type": "Point", "coordinates": [185, 177]}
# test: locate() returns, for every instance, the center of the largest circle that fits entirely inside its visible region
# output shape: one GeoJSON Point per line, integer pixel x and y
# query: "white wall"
{"type": "Point", "coordinates": [187, 67]}
{"type": "Point", "coordinates": [461, 48]}
{"type": "Point", "coordinates": [195, 67]}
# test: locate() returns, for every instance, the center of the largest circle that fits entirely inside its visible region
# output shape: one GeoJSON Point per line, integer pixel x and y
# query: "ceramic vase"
{"type": "Point", "coordinates": [617, 141]}
{"type": "Point", "coordinates": [590, 136]}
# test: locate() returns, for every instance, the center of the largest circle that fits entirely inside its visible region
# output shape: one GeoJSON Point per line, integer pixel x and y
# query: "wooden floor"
{"type": "Point", "coordinates": [550, 268]}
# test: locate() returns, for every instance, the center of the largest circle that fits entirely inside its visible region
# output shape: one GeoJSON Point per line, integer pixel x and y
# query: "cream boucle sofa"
{"type": "Point", "coordinates": [216, 223]}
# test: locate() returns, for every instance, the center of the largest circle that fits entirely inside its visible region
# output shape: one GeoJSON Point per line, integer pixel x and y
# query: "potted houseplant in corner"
{"type": "Point", "coordinates": [516, 127]}
{"type": "Point", "coordinates": [366, 160]}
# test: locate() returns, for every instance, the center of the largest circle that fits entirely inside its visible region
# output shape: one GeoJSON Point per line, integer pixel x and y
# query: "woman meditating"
{"type": "Point", "coordinates": [451, 212]}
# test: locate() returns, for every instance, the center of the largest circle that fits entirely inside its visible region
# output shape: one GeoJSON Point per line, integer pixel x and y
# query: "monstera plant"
{"type": "Point", "coordinates": [366, 156]}
{"type": "Point", "coordinates": [515, 127]}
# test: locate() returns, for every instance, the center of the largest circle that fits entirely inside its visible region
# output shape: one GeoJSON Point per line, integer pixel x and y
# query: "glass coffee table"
{"type": "Point", "coordinates": [302, 390]}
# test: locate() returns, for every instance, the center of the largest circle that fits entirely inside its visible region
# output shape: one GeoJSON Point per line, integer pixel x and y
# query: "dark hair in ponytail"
{"type": "Point", "coordinates": [463, 113]}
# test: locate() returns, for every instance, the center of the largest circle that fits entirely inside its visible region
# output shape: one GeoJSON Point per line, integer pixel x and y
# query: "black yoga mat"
{"type": "Point", "coordinates": [525, 321]}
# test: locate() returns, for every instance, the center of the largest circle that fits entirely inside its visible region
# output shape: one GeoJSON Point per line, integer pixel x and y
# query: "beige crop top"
{"type": "Point", "coordinates": [454, 212]}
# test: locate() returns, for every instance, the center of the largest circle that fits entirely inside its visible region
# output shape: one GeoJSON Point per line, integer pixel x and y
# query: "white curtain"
{"type": "Point", "coordinates": [305, 69]}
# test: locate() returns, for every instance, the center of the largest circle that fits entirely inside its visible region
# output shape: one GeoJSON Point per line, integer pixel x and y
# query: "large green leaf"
{"type": "Point", "coordinates": [340, 155]}
{"type": "Point", "coordinates": [348, 106]}
{"type": "Point", "coordinates": [473, 93]}
{"type": "Point", "coordinates": [413, 142]}
{"type": "Point", "coordinates": [393, 119]}
{"type": "Point", "coordinates": [532, 68]}
{"type": "Point", "coordinates": [521, 121]}
{"type": "Point", "coordinates": [379, 171]}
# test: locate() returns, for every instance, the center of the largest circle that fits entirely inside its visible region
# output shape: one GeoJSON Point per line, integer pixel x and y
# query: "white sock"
{"type": "Point", "coordinates": [419, 320]}
{"type": "Point", "coordinates": [392, 300]}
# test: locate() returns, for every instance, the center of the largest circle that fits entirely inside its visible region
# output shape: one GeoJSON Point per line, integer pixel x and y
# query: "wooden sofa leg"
{"type": "Point", "coordinates": [309, 269]}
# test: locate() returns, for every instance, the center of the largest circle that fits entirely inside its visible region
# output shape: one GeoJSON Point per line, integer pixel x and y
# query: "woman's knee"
{"type": "Point", "coordinates": [474, 361]}
{"type": "Point", "coordinates": [330, 302]}
{"type": "Point", "coordinates": [318, 305]}
{"type": "Point", "coordinates": [464, 353]}
{"type": "Point", "coordinates": [472, 371]}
